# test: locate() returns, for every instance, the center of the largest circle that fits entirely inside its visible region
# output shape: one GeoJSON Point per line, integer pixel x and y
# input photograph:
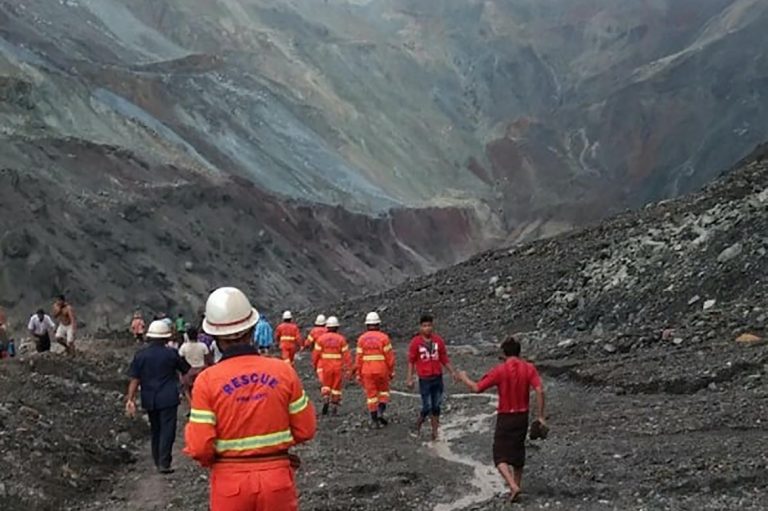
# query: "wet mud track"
{"type": "Point", "coordinates": [610, 448]}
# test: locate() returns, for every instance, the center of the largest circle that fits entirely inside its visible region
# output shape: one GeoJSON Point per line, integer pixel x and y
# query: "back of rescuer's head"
{"type": "Point", "coordinates": [332, 324]}
{"type": "Point", "coordinates": [511, 347]}
{"type": "Point", "coordinates": [229, 317]}
{"type": "Point", "coordinates": [373, 321]}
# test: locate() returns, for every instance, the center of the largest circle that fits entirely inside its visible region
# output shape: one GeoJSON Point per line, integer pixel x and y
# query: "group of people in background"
{"type": "Point", "coordinates": [60, 326]}
{"type": "Point", "coordinates": [247, 409]}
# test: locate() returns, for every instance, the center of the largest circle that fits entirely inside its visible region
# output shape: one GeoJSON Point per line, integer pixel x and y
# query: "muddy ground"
{"type": "Point", "coordinates": [613, 445]}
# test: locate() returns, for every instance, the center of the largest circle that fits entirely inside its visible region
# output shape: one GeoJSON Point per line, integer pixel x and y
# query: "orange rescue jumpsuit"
{"type": "Point", "coordinates": [314, 335]}
{"type": "Point", "coordinates": [247, 411]}
{"type": "Point", "coordinates": [375, 363]}
{"type": "Point", "coordinates": [331, 360]}
{"type": "Point", "coordinates": [288, 336]}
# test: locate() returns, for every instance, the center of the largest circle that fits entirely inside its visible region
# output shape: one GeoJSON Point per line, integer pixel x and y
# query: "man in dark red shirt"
{"type": "Point", "coordinates": [514, 379]}
{"type": "Point", "coordinates": [427, 355]}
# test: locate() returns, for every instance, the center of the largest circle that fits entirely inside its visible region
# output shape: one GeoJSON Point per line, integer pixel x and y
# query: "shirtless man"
{"type": "Point", "coordinates": [65, 333]}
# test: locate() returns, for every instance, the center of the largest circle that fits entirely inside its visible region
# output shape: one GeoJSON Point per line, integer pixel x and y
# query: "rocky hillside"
{"type": "Point", "coordinates": [155, 149]}
{"type": "Point", "coordinates": [692, 269]}
{"type": "Point", "coordinates": [159, 238]}
{"type": "Point", "coordinates": [649, 330]}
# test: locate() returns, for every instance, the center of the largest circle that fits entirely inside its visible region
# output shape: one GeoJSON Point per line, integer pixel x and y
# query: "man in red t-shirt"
{"type": "Point", "coordinates": [427, 355]}
{"type": "Point", "coordinates": [514, 379]}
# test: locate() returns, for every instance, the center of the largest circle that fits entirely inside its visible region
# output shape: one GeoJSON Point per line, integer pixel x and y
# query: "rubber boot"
{"type": "Point", "coordinates": [326, 405]}
{"type": "Point", "coordinates": [375, 424]}
{"type": "Point", "coordinates": [381, 419]}
{"type": "Point", "coordinates": [335, 409]}
{"type": "Point", "coordinates": [435, 426]}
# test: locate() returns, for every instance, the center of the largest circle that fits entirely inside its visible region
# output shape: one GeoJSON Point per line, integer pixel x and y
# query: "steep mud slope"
{"type": "Point", "coordinates": [161, 238]}
{"type": "Point", "coordinates": [650, 331]}
{"type": "Point", "coordinates": [646, 270]}
{"type": "Point", "coordinates": [422, 134]}
{"type": "Point", "coordinates": [548, 113]}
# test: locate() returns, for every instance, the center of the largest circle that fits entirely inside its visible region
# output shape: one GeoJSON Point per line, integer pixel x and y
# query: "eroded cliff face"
{"type": "Point", "coordinates": [371, 141]}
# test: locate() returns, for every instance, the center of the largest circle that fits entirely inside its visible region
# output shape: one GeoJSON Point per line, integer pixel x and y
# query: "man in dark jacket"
{"type": "Point", "coordinates": [156, 369]}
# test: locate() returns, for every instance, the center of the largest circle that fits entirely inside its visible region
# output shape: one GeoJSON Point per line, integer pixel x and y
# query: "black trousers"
{"type": "Point", "coordinates": [43, 342]}
{"type": "Point", "coordinates": [163, 425]}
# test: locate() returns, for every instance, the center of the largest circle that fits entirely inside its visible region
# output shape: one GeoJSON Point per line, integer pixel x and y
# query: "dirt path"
{"type": "Point", "coordinates": [458, 428]}
{"type": "Point", "coordinates": [608, 449]}
{"type": "Point", "coordinates": [142, 488]}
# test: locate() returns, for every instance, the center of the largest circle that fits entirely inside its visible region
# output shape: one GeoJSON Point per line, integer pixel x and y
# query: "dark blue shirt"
{"type": "Point", "coordinates": [157, 368]}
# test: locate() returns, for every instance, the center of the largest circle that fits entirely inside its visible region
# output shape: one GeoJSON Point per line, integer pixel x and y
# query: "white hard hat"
{"type": "Point", "coordinates": [159, 330]}
{"type": "Point", "coordinates": [372, 318]}
{"type": "Point", "coordinates": [228, 312]}
{"type": "Point", "coordinates": [320, 321]}
{"type": "Point", "coordinates": [333, 322]}
{"type": "Point", "coordinates": [287, 315]}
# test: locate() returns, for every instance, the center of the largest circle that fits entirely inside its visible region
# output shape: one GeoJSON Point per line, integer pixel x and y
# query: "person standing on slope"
{"type": "Point", "coordinates": [247, 412]}
{"type": "Point", "coordinates": [263, 335]}
{"type": "Point", "coordinates": [375, 368]}
{"type": "Point", "coordinates": [288, 337]}
{"type": "Point", "coordinates": [316, 331]}
{"type": "Point", "coordinates": [40, 327]}
{"type": "Point", "coordinates": [427, 355]}
{"type": "Point", "coordinates": [156, 369]}
{"type": "Point", "coordinates": [514, 379]}
{"type": "Point", "coordinates": [332, 362]}
{"type": "Point", "coordinates": [137, 327]}
{"type": "Point", "coordinates": [65, 332]}
{"type": "Point", "coordinates": [181, 326]}
{"type": "Point", "coordinates": [197, 355]}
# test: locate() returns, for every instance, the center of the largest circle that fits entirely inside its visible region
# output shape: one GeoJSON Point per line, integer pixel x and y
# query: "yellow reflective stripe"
{"type": "Point", "coordinates": [202, 416]}
{"type": "Point", "coordinates": [336, 392]}
{"type": "Point", "coordinates": [318, 347]}
{"type": "Point", "coordinates": [345, 348]}
{"type": "Point", "coordinates": [388, 347]}
{"type": "Point", "coordinates": [254, 442]}
{"type": "Point", "coordinates": [335, 356]}
{"type": "Point", "coordinates": [371, 358]}
{"type": "Point", "coordinates": [287, 338]}
{"type": "Point", "coordinates": [384, 393]}
{"type": "Point", "coordinates": [372, 400]}
{"type": "Point", "coordinates": [299, 405]}
{"type": "Point", "coordinates": [310, 338]}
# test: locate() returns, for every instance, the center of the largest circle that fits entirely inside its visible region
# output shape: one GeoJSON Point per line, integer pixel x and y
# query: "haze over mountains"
{"type": "Point", "coordinates": [476, 121]}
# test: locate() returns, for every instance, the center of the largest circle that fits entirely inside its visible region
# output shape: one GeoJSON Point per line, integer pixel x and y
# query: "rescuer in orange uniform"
{"type": "Point", "coordinates": [247, 411]}
{"type": "Point", "coordinates": [375, 367]}
{"type": "Point", "coordinates": [316, 331]}
{"type": "Point", "coordinates": [332, 362]}
{"type": "Point", "coordinates": [288, 336]}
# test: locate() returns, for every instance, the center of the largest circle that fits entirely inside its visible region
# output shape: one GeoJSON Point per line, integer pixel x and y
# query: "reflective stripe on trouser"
{"type": "Point", "coordinates": [288, 352]}
{"type": "Point", "coordinates": [248, 487]}
{"type": "Point", "coordinates": [331, 380]}
{"type": "Point", "coordinates": [376, 390]}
